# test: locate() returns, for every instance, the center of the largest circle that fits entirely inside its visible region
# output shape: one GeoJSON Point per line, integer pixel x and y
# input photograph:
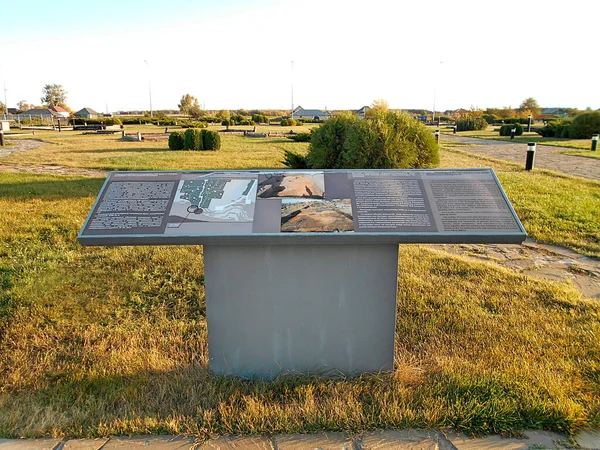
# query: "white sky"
{"type": "Point", "coordinates": [238, 54]}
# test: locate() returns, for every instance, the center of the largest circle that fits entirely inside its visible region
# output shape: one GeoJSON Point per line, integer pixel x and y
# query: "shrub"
{"type": "Point", "coordinates": [390, 141]}
{"type": "Point", "coordinates": [294, 160]}
{"type": "Point", "coordinates": [192, 139]}
{"type": "Point", "coordinates": [288, 122]}
{"type": "Point", "coordinates": [300, 137]}
{"type": "Point", "coordinates": [211, 140]}
{"type": "Point", "coordinates": [260, 118]}
{"type": "Point", "coordinates": [176, 140]}
{"type": "Point", "coordinates": [491, 118]}
{"type": "Point", "coordinates": [226, 123]}
{"type": "Point", "coordinates": [585, 125]}
{"type": "Point", "coordinates": [556, 128]}
{"type": "Point", "coordinates": [387, 140]}
{"type": "Point", "coordinates": [505, 129]}
{"type": "Point", "coordinates": [328, 141]}
{"type": "Point", "coordinates": [112, 121]}
{"type": "Point", "coordinates": [471, 124]}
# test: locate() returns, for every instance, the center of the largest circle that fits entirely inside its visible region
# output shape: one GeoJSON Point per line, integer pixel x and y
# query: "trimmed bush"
{"type": "Point", "coordinates": [387, 140]}
{"type": "Point", "coordinates": [192, 139]}
{"type": "Point", "coordinates": [260, 118]}
{"type": "Point", "coordinates": [505, 129]}
{"type": "Point", "coordinates": [288, 122]}
{"type": "Point", "coordinates": [585, 125]}
{"type": "Point", "coordinates": [176, 140]}
{"type": "Point", "coordinates": [471, 124]}
{"type": "Point", "coordinates": [211, 140]}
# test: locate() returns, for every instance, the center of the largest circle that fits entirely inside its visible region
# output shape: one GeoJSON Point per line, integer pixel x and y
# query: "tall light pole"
{"type": "Point", "coordinates": [149, 88]}
{"type": "Point", "coordinates": [292, 89]}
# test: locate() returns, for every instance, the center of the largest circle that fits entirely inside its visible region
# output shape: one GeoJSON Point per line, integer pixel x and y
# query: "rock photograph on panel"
{"type": "Point", "coordinates": [291, 185]}
{"type": "Point", "coordinates": [310, 216]}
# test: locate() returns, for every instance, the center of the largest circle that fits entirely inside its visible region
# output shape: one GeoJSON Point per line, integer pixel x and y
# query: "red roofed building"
{"type": "Point", "coordinates": [59, 111]}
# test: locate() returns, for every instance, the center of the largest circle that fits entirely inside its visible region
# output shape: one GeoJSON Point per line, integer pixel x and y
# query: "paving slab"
{"type": "Point", "coordinates": [238, 443]}
{"type": "Point", "coordinates": [29, 444]}
{"type": "Point", "coordinates": [589, 439]}
{"type": "Point", "coordinates": [152, 442]}
{"type": "Point", "coordinates": [322, 441]}
{"type": "Point", "coordinates": [405, 440]}
{"type": "Point", "coordinates": [531, 439]}
{"type": "Point", "coordinates": [84, 444]}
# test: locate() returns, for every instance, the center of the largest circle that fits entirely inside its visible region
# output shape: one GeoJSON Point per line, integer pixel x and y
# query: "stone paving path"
{"type": "Point", "coordinates": [546, 156]}
{"type": "Point", "coordinates": [537, 260]}
{"type": "Point", "coordinates": [21, 145]}
{"type": "Point", "coordinates": [377, 440]}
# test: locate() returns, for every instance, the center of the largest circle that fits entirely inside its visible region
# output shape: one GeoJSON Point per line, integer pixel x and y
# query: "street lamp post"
{"type": "Point", "coordinates": [149, 87]}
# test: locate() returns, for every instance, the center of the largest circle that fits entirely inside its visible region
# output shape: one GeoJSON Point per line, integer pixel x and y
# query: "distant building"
{"type": "Point", "coordinates": [86, 113]}
{"type": "Point", "coordinates": [42, 113]}
{"type": "Point", "coordinates": [13, 111]}
{"type": "Point", "coordinates": [362, 112]}
{"type": "Point", "coordinates": [310, 114]}
{"type": "Point", "coordinates": [58, 111]}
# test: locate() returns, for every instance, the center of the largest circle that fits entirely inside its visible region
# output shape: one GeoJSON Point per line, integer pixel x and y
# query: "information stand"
{"type": "Point", "coordinates": [301, 266]}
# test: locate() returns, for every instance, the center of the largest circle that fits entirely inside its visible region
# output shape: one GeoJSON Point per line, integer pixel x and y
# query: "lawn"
{"type": "Point", "coordinates": [489, 133]}
{"type": "Point", "coordinates": [100, 341]}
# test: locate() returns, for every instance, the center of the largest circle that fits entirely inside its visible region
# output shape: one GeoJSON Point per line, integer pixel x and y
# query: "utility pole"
{"type": "Point", "coordinates": [149, 87]}
{"type": "Point", "coordinates": [292, 89]}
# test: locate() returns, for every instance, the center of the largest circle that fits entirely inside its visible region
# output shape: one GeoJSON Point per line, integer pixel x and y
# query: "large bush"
{"type": "Point", "coordinates": [211, 140]}
{"type": "Point", "coordinates": [505, 129]}
{"type": "Point", "coordinates": [471, 124]}
{"type": "Point", "coordinates": [288, 122]}
{"type": "Point", "coordinates": [176, 140]}
{"type": "Point", "coordinates": [192, 139]}
{"type": "Point", "coordinates": [387, 140]}
{"type": "Point", "coordinates": [585, 125]}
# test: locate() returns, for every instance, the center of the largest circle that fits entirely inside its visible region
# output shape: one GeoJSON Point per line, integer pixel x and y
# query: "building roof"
{"type": "Point", "coordinates": [58, 109]}
{"type": "Point", "coordinates": [89, 111]}
{"type": "Point", "coordinates": [37, 112]}
{"type": "Point", "coordinates": [311, 112]}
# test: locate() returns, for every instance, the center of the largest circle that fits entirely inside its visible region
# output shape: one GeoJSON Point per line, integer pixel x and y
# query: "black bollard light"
{"type": "Point", "coordinates": [512, 133]}
{"type": "Point", "coordinates": [455, 127]}
{"type": "Point", "coordinates": [437, 136]}
{"type": "Point", "coordinates": [530, 156]}
{"type": "Point", "coordinates": [1, 138]}
{"type": "Point", "coordinates": [594, 142]}
{"type": "Point", "coordinates": [529, 123]}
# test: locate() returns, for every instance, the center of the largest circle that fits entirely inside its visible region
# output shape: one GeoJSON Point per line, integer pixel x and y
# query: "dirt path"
{"type": "Point", "coordinates": [22, 145]}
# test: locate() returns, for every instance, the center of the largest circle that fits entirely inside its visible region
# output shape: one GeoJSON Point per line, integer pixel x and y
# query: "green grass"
{"type": "Point", "coordinates": [102, 341]}
{"type": "Point", "coordinates": [587, 154]}
{"type": "Point", "coordinates": [73, 149]}
{"type": "Point", "coordinates": [489, 133]}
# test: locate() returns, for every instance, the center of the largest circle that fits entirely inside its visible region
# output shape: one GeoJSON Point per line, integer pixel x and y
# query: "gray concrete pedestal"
{"type": "Point", "coordinates": [318, 309]}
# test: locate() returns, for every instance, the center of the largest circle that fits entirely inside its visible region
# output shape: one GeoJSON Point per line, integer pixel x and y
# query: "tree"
{"type": "Point", "coordinates": [188, 103]}
{"type": "Point", "coordinates": [23, 106]}
{"type": "Point", "coordinates": [378, 106]}
{"type": "Point", "coordinates": [532, 105]}
{"type": "Point", "coordinates": [223, 114]}
{"type": "Point", "coordinates": [3, 109]}
{"type": "Point", "coordinates": [54, 95]}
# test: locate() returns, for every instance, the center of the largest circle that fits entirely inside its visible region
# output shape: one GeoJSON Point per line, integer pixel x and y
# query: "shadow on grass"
{"type": "Point", "coordinates": [48, 187]}
{"type": "Point", "coordinates": [122, 150]}
{"type": "Point", "coordinates": [191, 400]}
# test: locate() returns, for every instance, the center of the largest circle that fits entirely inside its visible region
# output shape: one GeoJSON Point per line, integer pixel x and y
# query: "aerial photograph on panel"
{"type": "Point", "coordinates": [295, 185]}
{"type": "Point", "coordinates": [310, 216]}
{"type": "Point", "coordinates": [206, 200]}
